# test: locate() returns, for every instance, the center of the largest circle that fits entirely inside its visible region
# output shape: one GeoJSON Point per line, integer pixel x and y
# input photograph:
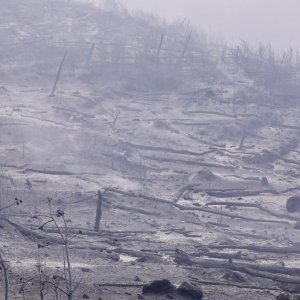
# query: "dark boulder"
{"type": "Point", "coordinates": [283, 297]}
{"type": "Point", "coordinates": [293, 204]}
{"type": "Point", "coordinates": [163, 286]}
{"type": "Point", "coordinates": [264, 181]}
{"type": "Point", "coordinates": [209, 93]}
{"type": "Point", "coordinates": [297, 225]}
{"type": "Point", "coordinates": [190, 292]}
{"type": "Point", "coordinates": [205, 175]}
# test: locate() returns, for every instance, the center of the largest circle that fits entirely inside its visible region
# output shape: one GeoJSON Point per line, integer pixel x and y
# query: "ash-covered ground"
{"type": "Point", "coordinates": [193, 173]}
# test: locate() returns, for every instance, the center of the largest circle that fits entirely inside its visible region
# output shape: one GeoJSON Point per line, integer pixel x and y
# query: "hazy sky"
{"type": "Point", "coordinates": [275, 21]}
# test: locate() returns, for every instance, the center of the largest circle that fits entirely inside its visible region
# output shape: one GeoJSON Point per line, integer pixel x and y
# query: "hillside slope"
{"type": "Point", "coordinates": [194, 147]}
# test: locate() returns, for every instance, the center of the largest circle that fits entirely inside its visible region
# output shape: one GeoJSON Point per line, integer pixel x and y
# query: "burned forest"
{"type": "Point", "coordinates": [140, 159]}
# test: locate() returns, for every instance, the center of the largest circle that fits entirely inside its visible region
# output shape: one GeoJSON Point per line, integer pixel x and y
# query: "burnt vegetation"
{"type": "Point", "coordinates": [139, 160]}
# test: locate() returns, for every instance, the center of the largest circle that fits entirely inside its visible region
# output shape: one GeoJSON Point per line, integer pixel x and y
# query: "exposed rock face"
{"type": "Point", "coordinates": [293, 204]}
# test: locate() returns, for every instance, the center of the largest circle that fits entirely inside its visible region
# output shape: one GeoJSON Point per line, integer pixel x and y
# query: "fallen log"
{"type": "Point", "coordinates": [162, 149]}
{"type": "Point", "coordinates": [142, 256]}
{"type": "Point", "coordinates": [210, 113]}
{"type": "Point", "coordinates": [33, 235]}
{"type": "Point", "coordinates": [57, 172]}
{"type": "Point", "coordinates": [122, 285]}
{"type": "Point", "coordinates": [290, 161]}
{"type": "Point", "coordinates": [101, 233]}
{"type": "Point", "coordinates": [236, 255]}
{"type": "Point", "coordinates": [73, 111]}
{"type": "Point", "coordinates": [49, 172]}
{"type": "Point", "coordinates": [276, 273]}
{"type": "Point", "coordinates": [209, 143]}
{"type": "Point", "coordinates": [136, 210]}
{"type": "Point", "coordinates": [187, 208]}
{"type": "Point", "coordinates": [252, 205]}
{"type": "Point", "coordinates": [255, 248]}
{"type": "Point", "coordinates": [226, 284]}
{"type": "Point", "coordinates": [203, 282]}
{"type": "Point", "coordinates": [45, 120]}
{"type": "Point", "coordinates": [190, 162]}
{"type": "Point", "coordinates": [232, 194]}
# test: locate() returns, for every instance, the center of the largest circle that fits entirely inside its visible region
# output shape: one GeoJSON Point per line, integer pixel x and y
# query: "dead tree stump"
{"type": "Point", "coordinates": [98, 212]}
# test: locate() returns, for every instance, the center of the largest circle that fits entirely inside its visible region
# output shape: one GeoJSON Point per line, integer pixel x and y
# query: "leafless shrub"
{"type": "Point", "coordinates": [4, 267]}
{"type": "Point", "coordinates": [58, 219]}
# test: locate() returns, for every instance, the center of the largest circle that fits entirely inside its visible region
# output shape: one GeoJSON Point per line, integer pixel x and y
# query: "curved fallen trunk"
{"type": "Point", "coordinates": [276, 273]}
{"type": "Point", "coordinates": [252, 205]}
{"type": "Point", "coordinates": [187, 208]}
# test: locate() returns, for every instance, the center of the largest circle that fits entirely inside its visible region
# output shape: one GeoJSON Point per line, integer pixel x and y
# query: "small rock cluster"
{"type": "Point", "coordinates": [165, 287]}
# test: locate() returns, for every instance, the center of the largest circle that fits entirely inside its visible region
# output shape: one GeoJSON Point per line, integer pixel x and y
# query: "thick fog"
{"type": "Point", "coordinates": [274, 21]}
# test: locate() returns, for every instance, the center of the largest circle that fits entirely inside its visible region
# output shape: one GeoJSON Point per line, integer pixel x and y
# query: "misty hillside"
{"type": "Point", "coordinates": [134, 52]}
{"type": "Point", "coordinates": [187, 149]}
{"type": "Point", "coordinates": [102, 46]}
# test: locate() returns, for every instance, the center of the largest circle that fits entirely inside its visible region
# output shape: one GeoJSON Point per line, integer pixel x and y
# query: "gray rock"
{"type": "Point", "coordinates": [190, 292]}
{"type": "Point", "coordinates": [293, 204]}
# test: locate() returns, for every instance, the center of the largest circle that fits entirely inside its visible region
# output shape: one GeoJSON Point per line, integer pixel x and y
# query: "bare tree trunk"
{"type": "Point", "coordinates": [99, 212]}
{"type": "Point", "coordinates": [160, 45]}
{"type": "Point", "coordinates": [58, 74]}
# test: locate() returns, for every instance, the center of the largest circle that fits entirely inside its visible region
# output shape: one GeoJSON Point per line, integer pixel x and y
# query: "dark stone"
{"type": "Point", "coordinates": [205, 175]}
{"type": "Point", "coordinates": [113, 256]}
{"type": "Point", "coordinates": [297, 225]}
{"type": "Point", "coordinates": [2, 224]}
{"type": "Point", "coordinates": [86, 270]}
{"type": "Point", "coordinates": [264, 181]}
{"type": "Point", "coordinates": [163, 286]}
{"type": "Point", "coordinates": [149, 259]}
{"type": "Point", "coordinates": [283, 297]}
{"type": "Point", "coordinates": [182, 258]}
{"type": "Point", "coordinates": [209, 93]}
{"type": "Point", "coordinates": [189, 291]}
{"type": "Point", "coordinates": [85, 296]}
{"type": "Point", "coordinates": [293, 204]}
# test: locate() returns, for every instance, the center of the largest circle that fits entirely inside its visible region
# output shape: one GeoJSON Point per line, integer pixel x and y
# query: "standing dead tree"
{"type": "Point", "coordinates": [58, 74]}
{"type": "Point", "coordinates": [98, 212]}
{"type": "Point", "coordinates": [89, 56]}
{"type": "Point", "coordinates": [185, 45]}
{"type": "Point", "coordinates": [160, 45]}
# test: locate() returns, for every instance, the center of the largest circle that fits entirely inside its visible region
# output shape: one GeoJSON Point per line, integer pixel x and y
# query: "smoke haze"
{"type": "Point", "coordinates": [269, 21]}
